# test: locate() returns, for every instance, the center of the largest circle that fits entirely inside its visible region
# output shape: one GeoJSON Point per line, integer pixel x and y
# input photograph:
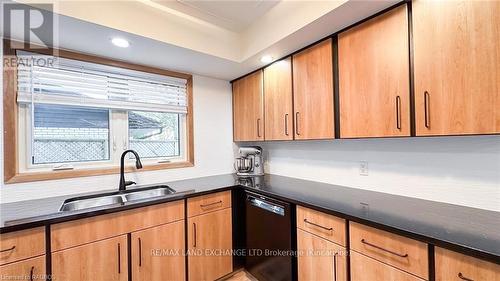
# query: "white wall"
{"type": "Point", "coordinates": [213, 149]}
{"type": "Point", "coordinates": [457, 170]}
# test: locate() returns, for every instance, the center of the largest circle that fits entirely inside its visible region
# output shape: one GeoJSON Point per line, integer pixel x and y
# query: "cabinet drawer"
{"type": "Point", "coordinates": [364, 268]}
{"type": "Point", "coordinates": [30, 269]}
{"type": "Point", "coordinates": [22, 244]}
{"type": "Point", "coordinates": [321, 224]}
{"type": "Point", "coordinates": [208, 203]}
{"type": "Point", "coordinates": [401, 252]}
{"type": "Point", "coordinates": [78, 232]}
{"type": "Point", "coordinates": [454, 266]}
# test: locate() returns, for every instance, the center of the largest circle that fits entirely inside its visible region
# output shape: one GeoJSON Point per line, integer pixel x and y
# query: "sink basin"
{"type": "Point", "coordinates": [80, 204]}
{"type": "Point", "coordinates": [146, 194]}
{"type": "Point", "coordinates": [112, 198]}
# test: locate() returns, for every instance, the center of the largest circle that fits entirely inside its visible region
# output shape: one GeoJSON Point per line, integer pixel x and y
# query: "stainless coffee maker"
{"type": "Point", "coordinates": [250, 162]}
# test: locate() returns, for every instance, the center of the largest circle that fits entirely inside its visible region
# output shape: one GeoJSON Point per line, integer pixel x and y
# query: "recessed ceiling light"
{"type": "Point", "coordinates": [266, 59]}
{"type": "Point", "coordinates": [120, 42]}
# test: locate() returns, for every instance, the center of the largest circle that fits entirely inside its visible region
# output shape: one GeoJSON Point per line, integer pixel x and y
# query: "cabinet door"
{"type": "Point", "coordinates": [364, 268]}
{"type": "Point", "coordinates": [313, 92]}
{"type": "Point", "coordinates": [374, 87]}
{"type": "Point", "coordinates": [320, 259]}
{"type": "Point", "coordinates": [158, 253]}
{"type": "Point", "coordinates": [454, 266]}
{"type": "Point", "coordinates": [30, 269]}
{"type": "Point", "coordinates": [457, 78]}
{"type": "Point", "coordinates": [209, 245]}
{"type": "Point", "coordinates": [278, 105]}
{"type": "Point", "coordinates": [105, 260]}
{"type": "Point", "coordinates": [248, 115]}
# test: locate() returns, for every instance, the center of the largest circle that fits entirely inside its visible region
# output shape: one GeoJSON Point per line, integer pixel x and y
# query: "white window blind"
{"type": "Point", "coordinates": [77, 83]}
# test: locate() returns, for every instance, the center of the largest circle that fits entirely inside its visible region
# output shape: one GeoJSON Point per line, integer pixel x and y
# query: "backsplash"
{"type": "Point", "coordinates": [456, 170]}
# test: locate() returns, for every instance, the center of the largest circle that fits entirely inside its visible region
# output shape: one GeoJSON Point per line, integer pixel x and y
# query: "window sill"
{"type": "Point", "coordinates": [56, 175]}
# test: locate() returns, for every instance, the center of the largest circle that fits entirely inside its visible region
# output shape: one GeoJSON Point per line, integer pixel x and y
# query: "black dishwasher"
{"type": "Point", "coordinates": [268, 238]}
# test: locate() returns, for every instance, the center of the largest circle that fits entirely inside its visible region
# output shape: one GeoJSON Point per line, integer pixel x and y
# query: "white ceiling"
{"type": "Point", "coordinates": [234, 15]}
{"type": "Point", "coordinates": [161, 38]}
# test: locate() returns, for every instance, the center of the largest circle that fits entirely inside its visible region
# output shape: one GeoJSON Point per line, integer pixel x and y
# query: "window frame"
{"type": "Point", "coordinates": [13, 138]}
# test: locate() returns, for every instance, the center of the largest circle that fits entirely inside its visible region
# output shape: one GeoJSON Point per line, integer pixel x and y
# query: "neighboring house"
{"type": "Point", "coordinates": [83, 133]}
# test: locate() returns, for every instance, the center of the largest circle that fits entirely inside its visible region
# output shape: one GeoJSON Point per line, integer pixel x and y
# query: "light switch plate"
{"type": "Point", "coordinates": [363, 168]}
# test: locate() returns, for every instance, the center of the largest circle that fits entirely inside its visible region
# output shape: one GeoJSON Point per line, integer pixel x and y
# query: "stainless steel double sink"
{"type": "Point", "coordinates": [113, 198]}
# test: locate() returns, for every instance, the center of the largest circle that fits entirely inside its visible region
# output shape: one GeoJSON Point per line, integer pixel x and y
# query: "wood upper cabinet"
{"type": "Point", "coordinates": [454, 266]}
{"type": "Point", "coordinates": [313, 92]}
{"type": "Point", "coordinates": [158, 253]}
{"type": "Point", "coordinates": [457, 78]}
{"type": "Point", "coordinates": [278, 105]}
{"type": "Point", "coordinates": [374, 87]}
{"type": "Point", "coordinates": [248, 109]}
{"type": "Point", "coordinates": [209, 245]}
{"type": "Point", "coordinates": [320, 259]}
{"type": "Point", "coordinates": [104, 260]}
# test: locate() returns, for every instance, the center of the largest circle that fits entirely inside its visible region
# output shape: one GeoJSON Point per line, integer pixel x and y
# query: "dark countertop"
{"type": "Point", "coordinates": [469, 230]}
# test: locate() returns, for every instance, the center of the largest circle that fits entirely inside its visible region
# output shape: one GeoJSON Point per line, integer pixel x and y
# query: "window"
{"type": "Point", "coordinates": [154, 134]}
{"type": "Point", "coordinates": [63, 134]}
{"type": "Point", "coordinates": [78, 116]}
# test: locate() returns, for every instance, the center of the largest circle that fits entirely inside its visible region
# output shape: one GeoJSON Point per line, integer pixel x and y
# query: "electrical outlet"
{"type": "Point", "coordinates": [363, 168]}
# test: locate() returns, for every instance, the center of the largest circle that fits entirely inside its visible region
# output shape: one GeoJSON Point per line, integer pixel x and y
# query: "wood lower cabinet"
{"type": "Point", "coordinates": [208, 203]}
{"type": "Point", "coordinates": [374, 77]}
{"type": "Point", "coordinates": [104, 260]}
{"type": "Point", "coordinates": [320, 259]}
{"type": "Point", "coordinates": [158, 253]}
{"type": "Point", "coordinates": [210, 245]}
{"type": "Point", "coordinates": [248, 108]}
{"type": "Point", "coordinates": [364, 268]}
{"type": "Point", "coordinates": [456, 56]}
{"type": "Point", "coordinates": [313, 92]}
{"type": "Point", "coordinates": [400, 252]}
{"type": "Point", "coordinates": [30, 269]}
{"type": "Point", "coordinates": [454, 266]}
{"type": "Point", "coordinates": [22, 244]}
{"type": "Point", "coordinates": [278, 100]}
{"type": "Point", "coordinates": [323, 225]}
{"type": "Point", "coordinates": [73, 233]}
